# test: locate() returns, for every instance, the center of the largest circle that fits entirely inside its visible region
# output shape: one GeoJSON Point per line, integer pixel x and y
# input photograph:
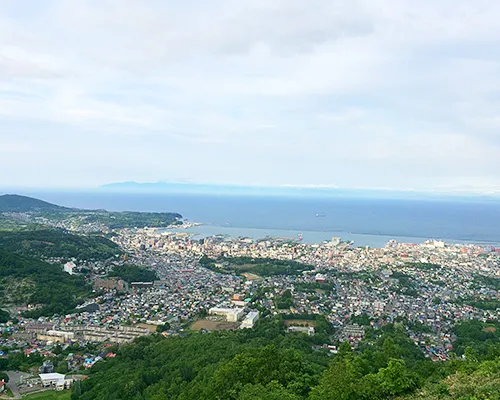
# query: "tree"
{"type": "Point", "coordinates": [4, 377]}
{"type": "Point", "coordinates": [262, 366]}
{"type": "Point", "coordinates": [470, 354]}
{"type": "Point", "coordinates": [272, 391]}
{"type": "Point", "coordinates": [163, 328]}
{"type": "Point", "coordinates": [396, 379]}
{"type": "Point", "coordinates": [285, 301]}
{"type": "Point", "coordinates": [340, 382]}
{"type": "Point", "coordinates": [4, 316]}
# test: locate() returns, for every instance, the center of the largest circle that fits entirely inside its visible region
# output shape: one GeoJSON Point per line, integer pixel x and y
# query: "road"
{"type": "Point", "coordinates": [13, 381]}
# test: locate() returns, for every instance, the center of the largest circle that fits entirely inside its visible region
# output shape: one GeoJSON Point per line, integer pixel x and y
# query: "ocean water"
{"type": "Point", "coordinates": [369, 222]}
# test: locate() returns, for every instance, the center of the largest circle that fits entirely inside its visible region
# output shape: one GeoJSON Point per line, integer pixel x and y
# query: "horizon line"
{"type": "Point", "coordinates": [317, 188]}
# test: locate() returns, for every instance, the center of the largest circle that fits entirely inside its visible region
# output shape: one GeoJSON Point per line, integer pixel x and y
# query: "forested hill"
{"type": "Point", "coordinates": [26, 280]}
{"type": "Point", "coordinates": [17, 203]}
{"type": "Point", "coordinates": [46, 243]}
{"type": "Point", "coordinates": [266, 363]}
{"type": "Point", "coordinates": [41, 212]}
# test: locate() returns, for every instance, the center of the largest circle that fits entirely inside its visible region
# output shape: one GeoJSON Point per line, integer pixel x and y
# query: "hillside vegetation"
{"type": "Point", "coordinates": [41, 283]}
{"type": "Point", "coordinates": [129, 219]}
{"type": "Point", "coordinates": [27, 279]}
{"type": "Point", "coordinates": [133, 273]}
{"type": "Point", "coordinates": [18, 210]}
{"type": "Point", "coordinates": [58, 243]}
{"type": "Point", "coordinates": [17, 203]}
{"type": "Point", "coordinates": [265, 363]}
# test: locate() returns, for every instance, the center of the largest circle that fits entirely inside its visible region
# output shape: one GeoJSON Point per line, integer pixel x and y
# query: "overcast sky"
{"type": "Point", "coordinates": [355, 94]}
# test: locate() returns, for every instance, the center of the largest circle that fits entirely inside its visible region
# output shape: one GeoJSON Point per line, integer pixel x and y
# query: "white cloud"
{"type": "Point", "coordinates": [349, 93]}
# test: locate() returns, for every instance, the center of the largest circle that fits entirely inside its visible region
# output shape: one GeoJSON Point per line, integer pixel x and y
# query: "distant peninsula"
{"type": "Point", "coordinates": [17, 203]}
{"type": "Point", "coordinates": [36, 211]}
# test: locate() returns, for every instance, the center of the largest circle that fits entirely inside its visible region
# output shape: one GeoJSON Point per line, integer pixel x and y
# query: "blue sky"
{"type": "Point", "coordinates": [352, 94]}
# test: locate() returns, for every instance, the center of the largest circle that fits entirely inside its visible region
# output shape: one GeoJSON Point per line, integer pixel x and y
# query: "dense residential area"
{"type": "Point", "coordinates": [84, 304]}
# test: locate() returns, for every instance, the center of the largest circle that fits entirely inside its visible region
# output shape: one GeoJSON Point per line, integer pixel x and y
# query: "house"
{"type": "Point", "coordinates": [354, 330]}
{"type": "Point", "coordinates": [68, 267]}
{"type": "Point", "coordinates": [46, 368]}
{"type": "Point", "coordinates": [111, 284]}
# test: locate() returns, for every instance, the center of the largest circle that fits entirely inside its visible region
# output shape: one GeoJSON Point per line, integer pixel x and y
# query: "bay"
{"type": "Point", "coordinates": [369, 222]}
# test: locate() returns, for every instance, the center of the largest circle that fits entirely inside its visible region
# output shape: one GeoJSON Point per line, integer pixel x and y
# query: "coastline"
{"type": "Point", "coordinates": [199, 230]}
{"type": "Point", "coordinates": [369, 222]}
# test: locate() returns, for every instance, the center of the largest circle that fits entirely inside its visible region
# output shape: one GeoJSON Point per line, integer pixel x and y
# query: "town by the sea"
{"type": "Point", "coordinates": [366, 222]}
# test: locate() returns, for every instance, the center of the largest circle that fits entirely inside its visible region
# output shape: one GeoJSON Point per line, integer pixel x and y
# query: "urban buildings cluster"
{"type": "Point", "coordinates": [429, 286]}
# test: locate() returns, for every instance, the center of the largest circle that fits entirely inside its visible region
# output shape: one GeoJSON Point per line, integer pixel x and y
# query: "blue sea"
{"type": "Point", "coordinates": [368, 222]}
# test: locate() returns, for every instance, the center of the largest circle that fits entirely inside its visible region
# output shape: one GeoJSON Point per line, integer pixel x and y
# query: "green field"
{"type": "Point", "coordinates": [50, 395]}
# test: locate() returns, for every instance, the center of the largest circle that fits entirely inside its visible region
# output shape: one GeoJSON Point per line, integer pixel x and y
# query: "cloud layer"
{"type": "Point", "coordinates": [393, 94]}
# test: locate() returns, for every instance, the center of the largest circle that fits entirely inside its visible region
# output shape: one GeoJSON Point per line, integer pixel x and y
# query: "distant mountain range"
{"type": "Point", "coordinates": [200, 188]}
{"type": "Point", "coordinates": [311, 191]}
{"type": "Point", "coordinates": [17, 203]}
{"type": "Point", "coordinates": [195, 188]}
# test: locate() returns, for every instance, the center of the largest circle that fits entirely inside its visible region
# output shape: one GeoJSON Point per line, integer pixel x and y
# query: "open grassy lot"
{"type": "Point", "coordinates": [50, 395]}
{"type": "Point", "coordinates": [250, 276]}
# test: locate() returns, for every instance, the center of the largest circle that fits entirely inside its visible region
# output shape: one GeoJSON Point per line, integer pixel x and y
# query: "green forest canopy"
{"type": "Point", "coordinates": [133, 273]}
{"type": "Point", "coordinates": [258, 266]}
{"type": "Point", "coordinates": [4, 316]}
{"type": "Point", "coordinates": [265, 363]}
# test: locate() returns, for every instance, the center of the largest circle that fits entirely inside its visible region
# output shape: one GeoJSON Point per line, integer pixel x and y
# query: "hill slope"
{"type": "Point", "coordinates": [26, 280]}
{"type": "Point", "coordinates": [34, 209]}
{"type": "Point", "coordinates": [265, 363]}
{"type": "Point", "coordinates": [48, 243]}
{"type": "Point", "coordinates": [17, 203]}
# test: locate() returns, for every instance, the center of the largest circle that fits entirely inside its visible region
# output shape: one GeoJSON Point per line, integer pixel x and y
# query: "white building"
{"type": "Point", "coordinates": [68, 267]}
{"type": "Point", "coordinates": [308, 330]}
{"type": "Point", "coordinates": [250, 320]}
{"type": "Point", "coordinates": [59, 381]}
{"type": "Point", "coordinates": [231, 314]}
